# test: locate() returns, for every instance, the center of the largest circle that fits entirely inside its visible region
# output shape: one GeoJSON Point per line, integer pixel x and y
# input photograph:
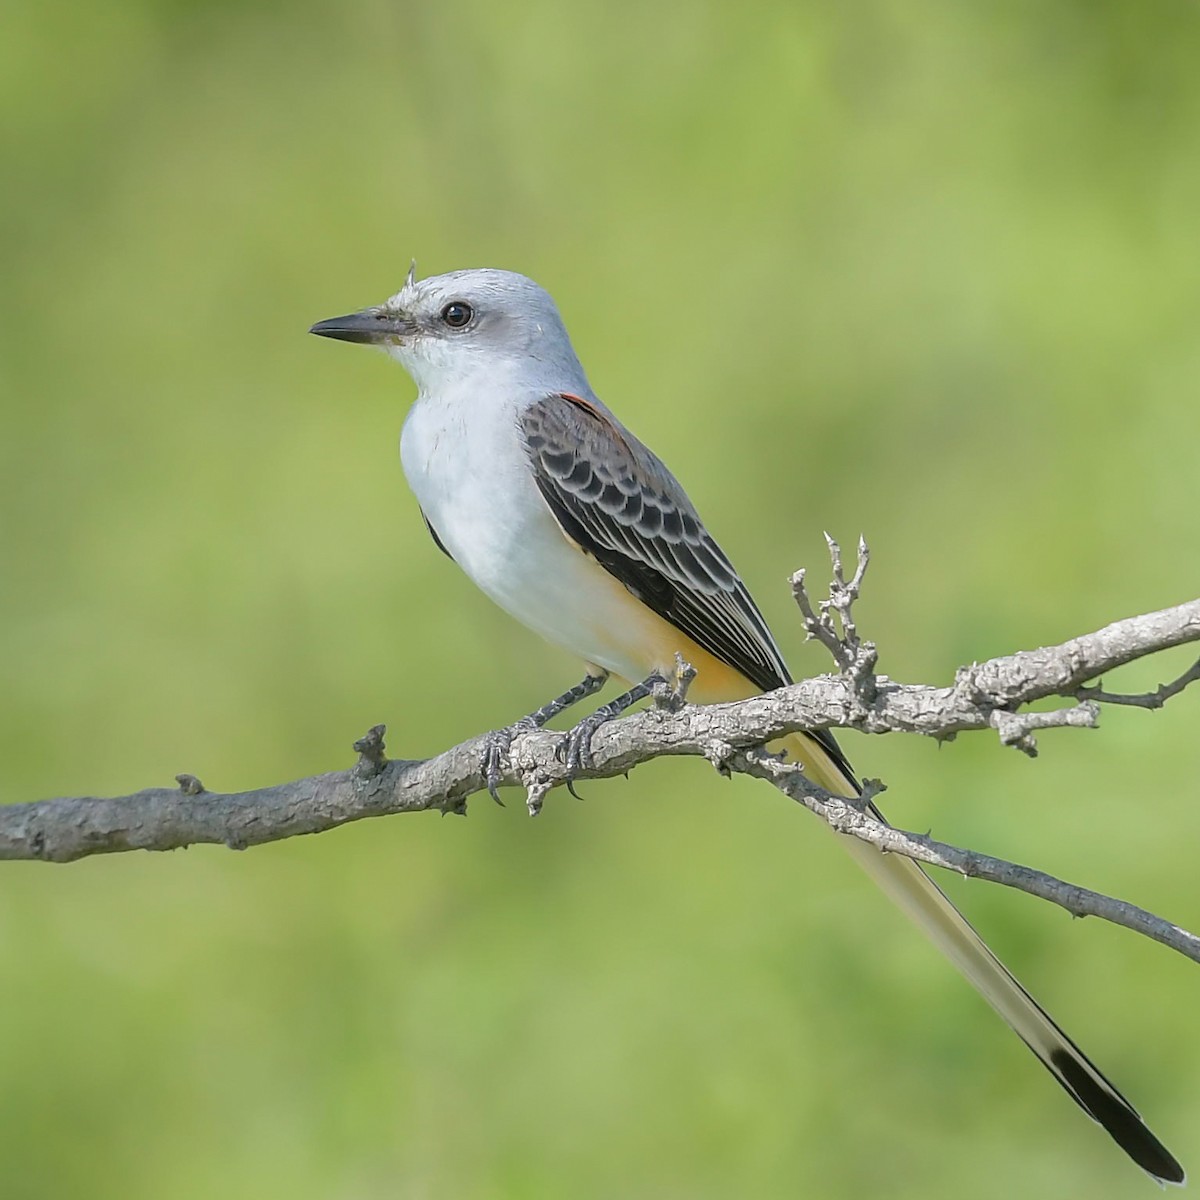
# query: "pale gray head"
{"type": "Point", "coordinates": [448, 329]}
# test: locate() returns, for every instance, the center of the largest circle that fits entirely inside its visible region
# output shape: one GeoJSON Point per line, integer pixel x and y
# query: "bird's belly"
{"type": "Point", "coordinates": [509, 544]}
{"type": "Point", "coordinates": [548, 584]}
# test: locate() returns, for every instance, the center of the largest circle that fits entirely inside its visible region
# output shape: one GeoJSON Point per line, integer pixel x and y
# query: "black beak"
{"type": "Point", "coordinates": [371, 326]}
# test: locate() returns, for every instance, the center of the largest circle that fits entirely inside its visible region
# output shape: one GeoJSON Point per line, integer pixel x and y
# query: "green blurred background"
{"type": "Point", "coordinates": [926, 270]}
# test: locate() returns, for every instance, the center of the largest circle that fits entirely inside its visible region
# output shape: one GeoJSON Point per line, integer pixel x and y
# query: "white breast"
{"type": "Point", "coordinates": [468, 471]}
{"type": "Point", "coordinates": [468, 467]}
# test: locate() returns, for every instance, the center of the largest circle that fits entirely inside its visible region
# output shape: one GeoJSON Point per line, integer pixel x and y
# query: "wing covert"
{"type": "Point", "coordinates": [619, 502]}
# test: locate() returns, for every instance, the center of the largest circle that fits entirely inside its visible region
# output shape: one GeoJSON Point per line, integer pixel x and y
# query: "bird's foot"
{"type": "Point", "coordinates": [496, 746]}
{"type": "Point", "coordinates": [575, 749]}
{"type": "Point", "coordinates": [498, 743]}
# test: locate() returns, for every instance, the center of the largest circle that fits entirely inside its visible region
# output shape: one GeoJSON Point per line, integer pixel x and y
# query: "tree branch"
{"type": "Point", "coordinates": [851, 816]}
{"type": "Point", "coordinates": [984, 695]}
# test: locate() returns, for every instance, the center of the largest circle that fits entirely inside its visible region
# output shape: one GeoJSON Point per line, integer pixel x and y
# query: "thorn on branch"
{"type": "Point", "coordinates": [189, 785]}
{"type": "Point", "coordinates": [371, 757]}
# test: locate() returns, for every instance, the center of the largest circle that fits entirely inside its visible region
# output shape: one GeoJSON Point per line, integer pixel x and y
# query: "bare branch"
{"type": "Point", "coordinates": [1061, 670]}
{"type": "Point", "coordinates": [1154, 699]}
{"type": "Point", "coordinates": [986, 695]}
{"type": "Point", "coordinates": [850, 815]}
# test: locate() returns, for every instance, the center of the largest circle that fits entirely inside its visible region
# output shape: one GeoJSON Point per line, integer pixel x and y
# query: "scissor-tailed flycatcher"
{"type": "Point", "coordinates": [569, 523]}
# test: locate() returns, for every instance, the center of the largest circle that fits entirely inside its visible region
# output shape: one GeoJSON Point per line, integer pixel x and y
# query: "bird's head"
{"type": "Point", "coordinates": [449, 328]}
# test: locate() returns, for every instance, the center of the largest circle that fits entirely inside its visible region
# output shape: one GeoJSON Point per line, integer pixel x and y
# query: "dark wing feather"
{"type": "Point", "coordinates": [616, 500]}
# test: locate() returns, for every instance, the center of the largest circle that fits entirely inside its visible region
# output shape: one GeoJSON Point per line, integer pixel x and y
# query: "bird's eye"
{"type": "Point", "coordinates": [457, 313]}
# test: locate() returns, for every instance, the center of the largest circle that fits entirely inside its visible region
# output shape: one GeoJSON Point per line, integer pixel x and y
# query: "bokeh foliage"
{"type": "Point", "coordinates": [926, 270]}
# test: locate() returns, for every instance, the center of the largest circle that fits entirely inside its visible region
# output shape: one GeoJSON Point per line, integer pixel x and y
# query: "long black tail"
{"type": "Point", "coordinates": [924, 902]}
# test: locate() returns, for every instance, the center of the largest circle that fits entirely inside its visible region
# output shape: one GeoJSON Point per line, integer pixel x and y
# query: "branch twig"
{"type": "Point", "coordinates": [1154, 699]}
{"type": "Point", "coordinates": [855, 658]}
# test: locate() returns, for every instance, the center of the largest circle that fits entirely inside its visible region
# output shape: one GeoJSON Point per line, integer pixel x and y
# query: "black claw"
{"type": "Point", "coordinates": [567, 753]}
{"type": "Point", "coordinates": [491, 769]}
{"type": "Point", "coordinates": [580, 755]}
{"type": "Point", "coordinates": [575, 750]}
{"type": "Point", "coordinates": [495, 749]}
{"type": "Point", "coordinates": [498, 743]}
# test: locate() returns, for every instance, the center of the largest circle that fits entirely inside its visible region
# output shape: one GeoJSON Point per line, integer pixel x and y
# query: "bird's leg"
{"type": "Point", "coordinates": [575, 750]}
{"type": "Point", "coordinates": [497, 743]}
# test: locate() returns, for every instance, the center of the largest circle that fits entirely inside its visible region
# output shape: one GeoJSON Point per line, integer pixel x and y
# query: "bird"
{"type": "Point", "coordinates": [573, 526]}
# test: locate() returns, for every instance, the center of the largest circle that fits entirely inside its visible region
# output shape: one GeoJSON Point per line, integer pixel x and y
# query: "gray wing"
{"type": "Point", "coordinates": [613, 497]}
